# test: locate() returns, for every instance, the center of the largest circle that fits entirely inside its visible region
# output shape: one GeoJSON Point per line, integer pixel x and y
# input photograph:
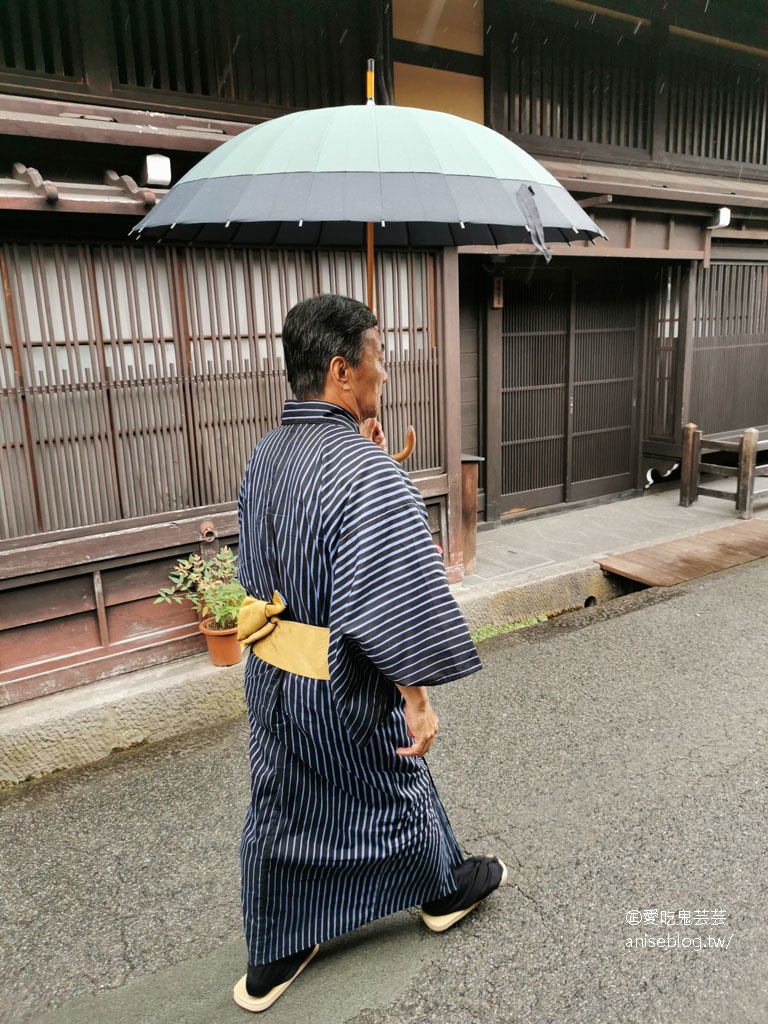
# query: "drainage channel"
{"type": "Point", "coordinates": [511, 607]}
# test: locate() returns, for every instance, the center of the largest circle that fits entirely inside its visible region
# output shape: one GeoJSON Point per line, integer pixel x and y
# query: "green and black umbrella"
{"type": "Point", "coordinates": [318, 177]}
{"type": "Point", "coordinates": [374, 175]}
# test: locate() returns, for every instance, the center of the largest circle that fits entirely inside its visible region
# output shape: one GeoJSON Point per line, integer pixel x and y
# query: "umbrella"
{"type": "Point", "coordinates": [383, 176]}
{"type": "Point", "coordinates": [317, 177]}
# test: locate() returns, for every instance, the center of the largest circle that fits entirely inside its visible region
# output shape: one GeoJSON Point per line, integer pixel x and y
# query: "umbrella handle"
{"type": "Point", "coordinates": [410, 444]}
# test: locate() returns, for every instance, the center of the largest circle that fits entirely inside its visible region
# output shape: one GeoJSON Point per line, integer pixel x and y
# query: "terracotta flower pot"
{"type": "Point", "coordinates": [223, 645]}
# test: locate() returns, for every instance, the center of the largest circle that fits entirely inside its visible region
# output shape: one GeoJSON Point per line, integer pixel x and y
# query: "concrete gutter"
{"type": "Point", "coordinates": [572, 585]}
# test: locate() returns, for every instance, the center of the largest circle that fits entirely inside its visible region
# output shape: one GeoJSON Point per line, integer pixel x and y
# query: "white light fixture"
{"type": "Point", "coordinates": [721, 219]}
{"type": "Point", "coordinates": [156, 170]}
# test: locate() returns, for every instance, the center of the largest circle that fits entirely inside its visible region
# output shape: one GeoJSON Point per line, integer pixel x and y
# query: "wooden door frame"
{"type": "Point", "coordinates": [493, 375]}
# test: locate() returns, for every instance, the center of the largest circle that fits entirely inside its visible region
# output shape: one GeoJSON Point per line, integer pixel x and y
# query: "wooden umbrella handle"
{"type": "Point", "coordinates": [410, 444]}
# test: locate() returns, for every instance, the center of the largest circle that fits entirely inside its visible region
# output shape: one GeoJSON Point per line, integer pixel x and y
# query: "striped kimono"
{"type": "Point", "coordinates": [341, 830]}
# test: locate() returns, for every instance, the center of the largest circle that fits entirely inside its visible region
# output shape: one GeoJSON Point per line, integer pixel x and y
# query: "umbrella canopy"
{"type": "Point", "coordinates": [317, 177]}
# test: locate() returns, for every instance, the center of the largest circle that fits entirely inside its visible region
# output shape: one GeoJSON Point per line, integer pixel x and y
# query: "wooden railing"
{"type": "Point", "coordinates": [746, 443]}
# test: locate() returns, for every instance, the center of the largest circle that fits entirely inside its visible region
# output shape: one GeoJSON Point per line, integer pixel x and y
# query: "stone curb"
{"type": "Point", "coordinates": [83, 725]}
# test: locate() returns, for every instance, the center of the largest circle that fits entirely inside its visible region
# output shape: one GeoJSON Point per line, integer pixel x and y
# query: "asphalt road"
{"type": "Point", "coordinates": [617, 759]}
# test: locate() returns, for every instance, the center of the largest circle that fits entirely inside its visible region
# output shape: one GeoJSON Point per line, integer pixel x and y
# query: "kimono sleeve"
{"type": "Point", "coordinates": [391, 604]}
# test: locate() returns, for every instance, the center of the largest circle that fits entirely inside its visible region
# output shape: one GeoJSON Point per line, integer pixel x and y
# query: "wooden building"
{"type": "Point", "coordinates": [135, 380]}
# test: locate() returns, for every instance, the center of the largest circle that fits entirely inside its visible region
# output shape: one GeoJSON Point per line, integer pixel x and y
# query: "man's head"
{"type": "Point", "coordinates": [333, 352]}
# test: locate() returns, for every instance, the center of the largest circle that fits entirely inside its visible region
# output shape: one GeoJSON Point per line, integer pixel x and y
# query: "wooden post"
{"type": "Point", "coordinates": [493, 413]}
{"type": "Point", "coordinates": [451, 354]}
{"type": "Point", "coordinates": [689, 472]}
{"type": "Point", "coordinates": [469, 476]}
{"type": "Point", "coordinates": [746, 478]}
{"type": "Point", "coordinates": [685, 342]}
{"type": "Point", "coordinates": [661, 62]}
{"type": "Point", "coordinates": [99, 59]}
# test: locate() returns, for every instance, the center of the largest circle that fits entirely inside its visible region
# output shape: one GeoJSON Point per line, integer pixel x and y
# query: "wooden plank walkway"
{"type": "Point", "coordinates": [665, 565]}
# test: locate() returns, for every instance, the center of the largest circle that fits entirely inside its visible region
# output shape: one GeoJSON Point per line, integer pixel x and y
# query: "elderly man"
{"type": "Point", "coordinates": [350, 621]}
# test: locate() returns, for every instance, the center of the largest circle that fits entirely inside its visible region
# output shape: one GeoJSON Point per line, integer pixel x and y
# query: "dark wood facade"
{"type": "Point", "coordinates": [135, 380]}
{"type": "Point", "coordinates": [135, 383]}
{"type": "Point", "coordinates": [567, 424]}
{"type": "Point", "coordinates": [248, 59]}
{"type": "Point", "coordinates": [655, 117]}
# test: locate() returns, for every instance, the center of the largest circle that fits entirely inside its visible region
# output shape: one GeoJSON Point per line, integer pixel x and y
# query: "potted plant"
{"type": "Point", "coordinates": [212, 587]}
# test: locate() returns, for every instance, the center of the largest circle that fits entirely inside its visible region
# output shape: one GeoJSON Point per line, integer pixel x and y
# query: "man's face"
{"type": "Point", "coordinates": [369, 377]}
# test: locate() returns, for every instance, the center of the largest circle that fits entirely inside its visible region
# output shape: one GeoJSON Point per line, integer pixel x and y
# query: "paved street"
{"type": "Point", "coordinates": [617, 759]}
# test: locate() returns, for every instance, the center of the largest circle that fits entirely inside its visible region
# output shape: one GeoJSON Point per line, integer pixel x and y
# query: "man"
{"type": "Point", "coordinates": [344, 825]}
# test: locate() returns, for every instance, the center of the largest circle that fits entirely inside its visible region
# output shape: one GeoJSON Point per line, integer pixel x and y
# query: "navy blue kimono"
{"type": "Point", "coordinates": [341, 830]}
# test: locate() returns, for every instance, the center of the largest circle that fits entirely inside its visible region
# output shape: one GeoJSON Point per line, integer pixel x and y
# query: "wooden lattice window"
{"type": "Point", "coordinates": [580, 82]}
{"type": "Point", "coordinates": [305, 54]}
{"type": "Point", "coordinates": [135, 381]}
{"type": "Point", "coordinates": [37, 36]}
{"type": "Point", "coordinates": [717, 110]}
{"type": "Point", "coordinates": [662, 410]}
{"type": "Point", "coordinates": [729, 365]}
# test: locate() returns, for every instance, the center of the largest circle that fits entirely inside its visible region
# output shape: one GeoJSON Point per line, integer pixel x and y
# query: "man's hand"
{"type": "Point", "coordinates": [421, 721]}
{"type": "Point", "coordinates": [374, 431]}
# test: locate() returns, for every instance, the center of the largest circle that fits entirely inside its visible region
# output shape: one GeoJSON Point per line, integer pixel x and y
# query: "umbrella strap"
{"type": "Point", "coordinates": [526, 201]}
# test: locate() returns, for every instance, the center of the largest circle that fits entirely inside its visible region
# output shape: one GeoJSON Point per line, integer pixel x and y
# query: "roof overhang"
{"type": "Point", "coordinates": [85, 122]}
{"type": "Point", "coordinates": [668, 186]}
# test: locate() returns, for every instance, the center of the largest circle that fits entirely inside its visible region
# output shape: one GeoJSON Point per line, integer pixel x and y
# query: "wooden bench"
{"type": "Point", "coordinates": [747, 443]}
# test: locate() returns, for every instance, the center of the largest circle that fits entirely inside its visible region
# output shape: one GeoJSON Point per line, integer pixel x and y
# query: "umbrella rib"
{"type": "Point", "coordinates": [326, 130]}
{"type": "Point", "coordinates": [378, 164]}
{"type": "Point", "coordinates": [438, 162]}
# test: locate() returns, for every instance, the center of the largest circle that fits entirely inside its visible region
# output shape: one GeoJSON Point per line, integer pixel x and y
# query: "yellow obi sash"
{"type": "Point", "coordinates": [292, 646]}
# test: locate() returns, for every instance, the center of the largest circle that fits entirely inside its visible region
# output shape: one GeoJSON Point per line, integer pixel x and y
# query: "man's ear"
{"type": "Point", "coordinates": [338, 372]}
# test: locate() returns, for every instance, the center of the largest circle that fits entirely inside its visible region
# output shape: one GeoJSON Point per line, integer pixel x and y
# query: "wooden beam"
{"type": "Point", "coordinates": [583, 249]}
{"type": "Point", "coordinates": [701, 190]}
{"type": "Point", "coordinates": [587, 204]}
{"type": "Point", "coordinates": [747, 235]}
{"type": "Point", "coordinates": [77, 129]}
{"type": "Point", "coordinates": [728, 44]}
{"type": "Point", "coordinates": [72, 205]}
{"type": "Point", "coordinates": [608, 12]}
{"type": "Point", "coordinates": [43, 556]}
{"type": "Point", "coordinates": [21, 86]}
{"type": "Point", "coordinates": [68, 671]}
{"type": "Point", "coordinates": [430, 486]}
